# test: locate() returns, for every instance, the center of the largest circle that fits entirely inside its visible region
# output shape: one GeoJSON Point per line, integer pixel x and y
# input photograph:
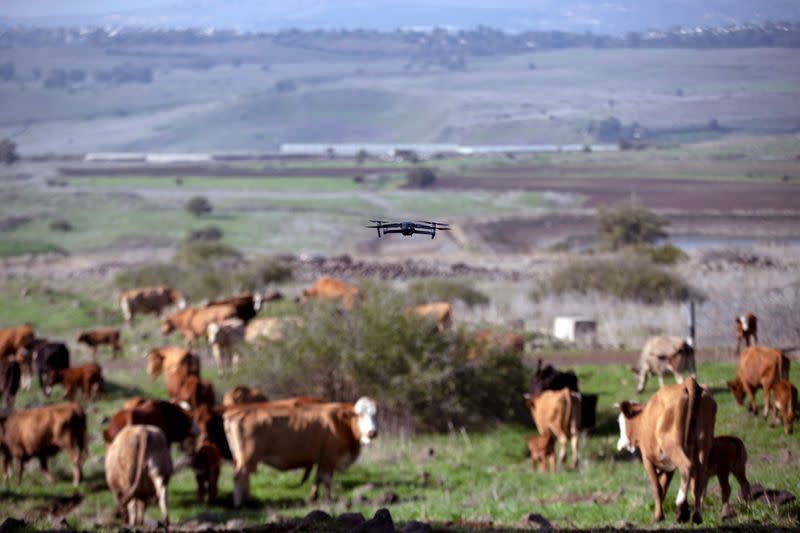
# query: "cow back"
{"type": "Point", "coordinates": [549, 378]}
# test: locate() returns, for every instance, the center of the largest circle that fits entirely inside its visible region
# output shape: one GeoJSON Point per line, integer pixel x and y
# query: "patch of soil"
{"type": "Point", "coordinates": [595, 497]}
{"type": "Point", "coordinates": [59, 506]}
{"type": "Point", "coordinates": [14, 222]}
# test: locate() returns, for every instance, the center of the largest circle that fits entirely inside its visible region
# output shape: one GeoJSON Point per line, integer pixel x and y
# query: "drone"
{"type": "Point", "coordinates": [409, 228]}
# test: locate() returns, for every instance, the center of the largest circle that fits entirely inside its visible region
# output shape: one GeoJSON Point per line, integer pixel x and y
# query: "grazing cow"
{"type": "Point", "coordinates": [272, 329]}
{"type": "Point", "coordinates": [98, 337]}
{"type": "Point", "coordinates": [206, 463]}
{"type": "Point", "coordinates": [49, 356]}
{"type": "Point", "coordinates": [542, 449]}
{"type": "Point", "coordinates": [746, 329]}
{"type": "Point", "coordinates": [331, 289]}
{"type": "Point", "coordinates": [193, 322]}
{"type": "Point", "coordinates": [549, 378]}
{"type": "Point", "coordinates": [87, 378]}
{"type": "Point", "coordinates": [728, 456]}
{"type": "Point", "coordinates": [327, 435]}
{"type": "Point", "coordinates": [490, 340]}
{"type": "Point", "coordinates": [10, 378]}
{"type": "Point", "coordinates": [240, 394]}
{"type": "Point", "coordinates": [177, 424]}
{"type": "Point", "coordinates": [674, 430]}
{"type": "Point", "coordinates": [663, 354]}
{"type": "Point", "coordinates": [784, 395]}
{"type": "Point", "coordinates": [12, 340]}
{"type": "Point", "coordinates": [442, 312]}
{"type": "Point", "coordinates": [558, 412]}
{"type": "Point", "coordinates": [247, 305]}
{"type": "Point", "coordinates": [223, 338]}
{"type": "Point", "coordinates": [176, 363]}
{"type": "Point", "coordinates": [195, 392]}
{"type": "Point", "coordinates": [41, 432]}
{"type": "Point", "coordinates": [149, 300]}
{"type": "Point", "coordinates": [138, 467]}
{"type": "Point", "coordinates": [759, 367]}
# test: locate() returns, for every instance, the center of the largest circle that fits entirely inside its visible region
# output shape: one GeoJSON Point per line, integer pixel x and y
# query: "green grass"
{"type": "Point", "coordinates": [277, 183]}
{"type": "Point", "coordinates": [13, 247]}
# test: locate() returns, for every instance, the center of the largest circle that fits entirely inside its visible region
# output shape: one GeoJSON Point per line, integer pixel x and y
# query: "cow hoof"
{"type": "Point", "coordinates": [727, 512]}
{"type": "Point", "coordinates": [697, 518]}
{"type": "Point", "coordinates": [683, 512]}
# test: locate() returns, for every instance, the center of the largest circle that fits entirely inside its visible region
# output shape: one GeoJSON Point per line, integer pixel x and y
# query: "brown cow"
{"type": "Point", "coordinates": [176, 363]}
{"type": "Point", "coordinates": [560, 413]}
{"type": "Point", "coordinates": [149, 300]}
{"type": "Point", "coordinates": [194, 392]}
{"type": "Point", "coordinates": [12, 340]}
{"type": "Point", "coordinates": [327, 435]}
{"type": "Point", "coordinates": [177, 425]}
{"type": "Point", "coordinates": [542, 449]}
{"type": "Point", "coordinates": [331, 289]}
{"type": "Point", "coordinates": [491, 340]}
{"type": "Point", "coordinates": [240, 394]}
{"type": "Point", "coordinates": [673, 430]}
{"type": "Point", "coordinates": [10, 378]}
{"type": "Point", "coordinates": [138, 467]}
{"type": "Point", "coordinates": [206, 463]}
{"type": "Point", "coordinates": [746, 329]}
{"type": "Point", "coordinates": [98, 337]}
{"type": "Point", "coordinates": [784, 400]}
{"type": "Point", "coordinates": [442, 312]}
{"type": "Point", "coordinates": [41, 432]}
{"type": "Point", "coordinates": [728, 456]}
{"type": "Point", "coordinates": [247, 305]}
{"type": "Point", "coordinates": [87, 378]}
{"type": "Point", "coordinates": [193, 322]}
{"type": "Point", "coordinates": [759, 367]}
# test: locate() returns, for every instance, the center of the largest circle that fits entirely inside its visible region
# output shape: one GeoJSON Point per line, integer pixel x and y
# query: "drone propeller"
{"type": "Point", "coordinates": [437, 225]}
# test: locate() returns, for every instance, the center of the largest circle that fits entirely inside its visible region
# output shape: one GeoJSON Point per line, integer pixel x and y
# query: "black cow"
{"type": "Point", "coordinates": [10, 376]}
{"type": "Point", "coordinates": [550, 378]}
{"type": "Point", "coordinates": [49, 356]}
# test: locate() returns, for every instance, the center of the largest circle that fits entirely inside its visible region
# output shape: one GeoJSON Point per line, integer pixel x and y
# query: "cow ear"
{"type": "Point", "coordinates": [629, 409]}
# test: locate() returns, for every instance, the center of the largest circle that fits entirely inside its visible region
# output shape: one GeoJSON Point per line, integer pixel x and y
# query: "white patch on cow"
{"type": "Point", "coordinates": [212, 331]}
{"type": "Point", "coordinates": [623, 443]}
{"type": "Point", "coordinates": [743, 322]}
{"type": "Point", "coordinates": [126, 308]}
{"type": "Point", "coordinates": [681, 496]}
{"type": "Point", "coordinates": [182, 303]}
{"type": "Point", "coordinates": [366, 412]}
{"type": "Point", "coordinates": [257, 301]}
{"type": "Point", "coordinates": [25, 383]}
{"type": "Point", "coordinates": [690, 341]}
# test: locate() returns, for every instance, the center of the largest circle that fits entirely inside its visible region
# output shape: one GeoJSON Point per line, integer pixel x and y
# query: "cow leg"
{"type": "Point", "coordinates": [161, 491]}
{"type": "Point", "coordinates": [213, 480]}
{"type": "Point", "coordinates": [552, 459]}
{"type": "Point", "coordinates": [725, 493]}
{"type": "Point", "coordinates": [241, 488]}
{"type": "Point", "coordinates": [660, 379]}
{"type": "Point", "coordinates": [751, 398]}
{"type": "Point", "coordinates": [45, 471]}
{"type": "Point", "coordinates": [20, 466]}
{"type": "Point", "coordinates": [574, 445]}
{"type": "Point", "coordinates": [681, 505]}
{"type": "Point", "coordinates": [664, 479]}
{"type": "Point", "coordinates": [641, 381]}
{"type": "Point", "coordinates": [699, 490]}
{"type": "Point", "coordinates": [655, 489]}
{"type": "Point", "coordinates": [562, 449]}
{"type": "Point", "coordinates": [75, 459]}
{"type": "Point", "coordinates": [767, 386]}
{"type": "Point", "coordinates": [132, 512]}
{"type": "Point", "coordinates": [744, 485]}
{"type": "Point", "coordinates": [94, 354]}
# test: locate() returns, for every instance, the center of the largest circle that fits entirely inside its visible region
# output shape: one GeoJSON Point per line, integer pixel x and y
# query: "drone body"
{"type": "Point", "coordinates": [407, 228]}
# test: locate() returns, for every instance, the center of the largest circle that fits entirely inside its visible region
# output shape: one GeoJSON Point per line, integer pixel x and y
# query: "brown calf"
{"type": "Point", "coordinates": [99, 337]}
{"type": "Point", "coordinates": [728, 456]}
{"type": "Point", "coordinates": [206, 463]}
{"type": "Point", "coordinates": [543, 451]}
{"type": "Point", "coordinates": [87, 378]}
{"type": "Point", "coordinates": [784, 400]}
{"type": "Point", "coordinates": [196, 392]}
{"type": "Point", "coordinates": [759, 367]}
{"type": "Point", "coordinates": [560, 413]}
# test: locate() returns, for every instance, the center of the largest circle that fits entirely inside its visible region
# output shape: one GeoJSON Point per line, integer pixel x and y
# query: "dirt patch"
{"type": "Point", "coordinates": [595, 497]}
{"type": "Point", "coordinates": [59, 506]}
{"type": "Point", "coordinates": [12, 223]}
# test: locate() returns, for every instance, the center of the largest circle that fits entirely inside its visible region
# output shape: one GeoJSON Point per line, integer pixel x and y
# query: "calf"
{"type": "Point", "coordinates": [41, 432]}
{"type": "Point", "coordinates": [99, 337]}
{"type": "Point", "coordinates": [746, 329]}
{"type": "Point", "coordinates": [223, 338]}
{"type": "Point", "coordinates": [784, 401]}
{"type": "Point", "coordinates": [151, 300]}
{"type": "Point", "coordinates": [759, 367]}
{"type": "Point", "coordinates": [49, 356]}
{"type": "Point", "coordinates": [542, 449]}
{"type": "Point", "coordinates": [674, 430]}
{"type": "Point", "coordinates": [728, 456]}
{"type": "Point", "coordinates": [327, 288]}
{"type": "Point", "coordinates": [174, 421]}
{"type": "Point", "coordinates": [206, 463]}
{"type": "Point", "coordinates": [194, 392]}
{"type": "Point", "coordinates": [326, 435]}
{"type": "Point", "coordinates": [240, 394]}
{"type": "Point", "coordinates": [662, 354]}
{"type": "Point", "coordinates": [558, 412]}
{"type": "Point", "coordinates": [88, 379]}
{"type": "Point", "coordinates": [138, 467]}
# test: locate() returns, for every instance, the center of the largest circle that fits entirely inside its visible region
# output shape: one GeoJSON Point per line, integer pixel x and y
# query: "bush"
{"type": "Point", "coordinates": [420, 177]}
{"type": "Point", "coordinates": [629, 225]}
{"type": "Point", "coordinates": [627, 278]}
{"type": "Point", "coordinates": [420, 377]}
{"type": "Point", "coordinates": [666, 254]}
{"type": "Point", "coordinates": [60, 225]}
{"type": "Point", "coordinates": [430, 290]}
{"type": "Point", "coordinates": [204, 253]}
{"type": "Point", "coordinates": [198, 206]}
{"type": "Point", "coordinates": [8, 152]}
{"type": "Point", "coordinates": [208, 233]}
{"type": "Point", "coordinates": [262, 271]}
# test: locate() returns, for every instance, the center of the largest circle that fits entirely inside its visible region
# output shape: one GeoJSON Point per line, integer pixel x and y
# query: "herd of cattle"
{"type": "Point", "coordinates": [674, 430]}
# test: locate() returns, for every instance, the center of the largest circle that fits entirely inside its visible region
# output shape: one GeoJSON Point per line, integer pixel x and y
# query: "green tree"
{"type": "Point", "coordinates": [629, 224]}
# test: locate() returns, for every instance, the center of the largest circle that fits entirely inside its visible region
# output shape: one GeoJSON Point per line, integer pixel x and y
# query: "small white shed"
{"type": "Point", "coordinates": [581, 331]}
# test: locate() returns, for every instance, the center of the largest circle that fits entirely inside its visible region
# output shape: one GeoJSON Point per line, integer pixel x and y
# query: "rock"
{"type": "Point", "coordinates": [380, 523]}
{"type": "Point", "coordinates": [11, 525]}
{"type": "Point", "coordinates": [314, 517]}
{"type": "Point", "coordinates": [535, 521]}
{"type": "Point", "coordinates": [416, 527]}
{"type": "Point", "coordinates": [760, 493]}
{"type": "Point", "coordinates": [351, 519]}
{"type": "Point", "coordinates": [235, 524]}
{"type": "Point", "coordinates": [388, 498]}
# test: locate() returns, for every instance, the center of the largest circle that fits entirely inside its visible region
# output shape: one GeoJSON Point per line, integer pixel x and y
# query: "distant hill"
{"type": "Point", "coordinates": [597, 16]}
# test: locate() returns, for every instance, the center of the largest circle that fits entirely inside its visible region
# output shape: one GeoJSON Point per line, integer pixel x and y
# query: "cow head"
{"type": "Point", "coordinates": [366, 412]}
{"type": "Point", "coordinates": [167, 326]}
{"type": "Point", "coordinates": [628, 411]}
{"type": "Point", "coordinates": [737, 390]}
{"type": "Point", "coordinates": [82, 337]}
{"type": "Point", "coordinates": [155, 363]}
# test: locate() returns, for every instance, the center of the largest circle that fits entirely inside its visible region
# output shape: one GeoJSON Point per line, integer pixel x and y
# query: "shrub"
{"type": "Point", "coordinates": [262, 271]}
{"type": "Point", "coordinates": [666, 254]}
{"type": "Point", "coordinates": [8, 152]}
{"type": "Point", "coordinates": [204, 253]}
{"type": "Point", "coordinates": [430, 290]}
{"type": "Point", "coordinates": [627, 278]}
{"type": "Point", "coordinates": [208, 233]}
{"type": "Point", "coordinates": [420, 177]}
{"type": "Point", "coordinates": [198, 205]}
{"type": "Point", "coordinates": [60, 225]}
{"type": "Point", "coordinates": [629, 224]}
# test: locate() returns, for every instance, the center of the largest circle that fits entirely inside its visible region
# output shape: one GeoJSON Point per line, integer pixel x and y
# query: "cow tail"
{"type": "Point", "coordinates": [140, 466]}
{"type": "Point", "coordinates": [692, 406]}
{"type": "Point", "coordinates": [234, 441]}
{"type": "Point", "coordinates": [784, 364]}
{"type": "Point", "coordinates": [79, 434]}
{"type": "Point", "coordinates": [305, 476]}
